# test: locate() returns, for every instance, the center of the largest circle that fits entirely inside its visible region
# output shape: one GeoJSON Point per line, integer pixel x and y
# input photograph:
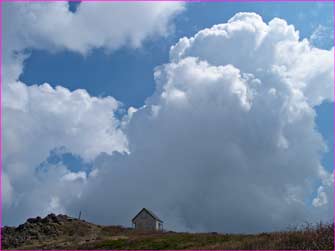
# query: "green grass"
{"type": "Point", "coordinates": [311, 238]}
{"type": "Point", "coordinates": [82, 235]}
{"type": "Point", "coordinates": [164, 241]}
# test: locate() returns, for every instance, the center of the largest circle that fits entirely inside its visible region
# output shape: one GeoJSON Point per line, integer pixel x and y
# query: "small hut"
{"type": "Point", "coordinates": [146, 220]}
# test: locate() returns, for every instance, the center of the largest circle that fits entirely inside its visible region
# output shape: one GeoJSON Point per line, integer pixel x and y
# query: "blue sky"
{"type": "Point", "coordinates": [235, 120]}
{"type": "Point", "coordinates": [104, 74]}
{"type": "Point", "coordinates": [127, 74]}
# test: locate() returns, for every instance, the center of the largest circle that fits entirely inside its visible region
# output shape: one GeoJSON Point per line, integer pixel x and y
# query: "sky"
{"type": "Point", "coordinates": [197, 111]}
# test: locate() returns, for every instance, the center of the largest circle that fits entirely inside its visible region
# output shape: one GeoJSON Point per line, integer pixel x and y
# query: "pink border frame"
{"type": "Point", "coordinates": [236, 1]}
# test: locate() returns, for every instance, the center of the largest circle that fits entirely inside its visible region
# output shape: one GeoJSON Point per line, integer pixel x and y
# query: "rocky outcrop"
{"type": "Point", "coordinates": [35, 229]}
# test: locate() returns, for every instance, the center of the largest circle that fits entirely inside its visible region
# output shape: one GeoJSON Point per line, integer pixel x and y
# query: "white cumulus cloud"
{"type": "Point", "coordinates": [263, 48]}
{"type": "Point", "coordinates": [93, 25]}
{"type": "Point", "coordinates": [227, 142]}
{"type": "Point", "coordinates": [321, 198]}
{"type": "Point", "coordinates": [39, 119]}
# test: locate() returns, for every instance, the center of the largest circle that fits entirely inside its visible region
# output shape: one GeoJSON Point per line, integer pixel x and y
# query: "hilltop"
{"type": "Point", "coordinates": [64, 232]}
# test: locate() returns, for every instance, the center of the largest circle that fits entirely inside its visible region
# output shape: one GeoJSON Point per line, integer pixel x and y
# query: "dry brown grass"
{"type": "Point", "coordinates": [319, 237]}
{"type": "Point", "coordinates": [82, 235]}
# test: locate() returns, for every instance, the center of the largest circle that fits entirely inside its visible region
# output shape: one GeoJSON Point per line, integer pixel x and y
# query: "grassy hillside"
{"type": "Point", "coordinates": [62, 232]}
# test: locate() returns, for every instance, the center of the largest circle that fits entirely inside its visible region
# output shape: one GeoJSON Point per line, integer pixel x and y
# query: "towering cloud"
{"type": "Point", "coordinates": [228, 141]}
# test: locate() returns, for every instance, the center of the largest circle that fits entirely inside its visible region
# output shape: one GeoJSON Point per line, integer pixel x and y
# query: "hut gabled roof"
{"type": "Point", "coordinates": [149, 212]}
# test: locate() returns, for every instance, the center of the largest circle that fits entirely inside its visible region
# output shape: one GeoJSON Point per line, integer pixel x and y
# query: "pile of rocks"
{"type": "Point", "coordinates": [34, 229]}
